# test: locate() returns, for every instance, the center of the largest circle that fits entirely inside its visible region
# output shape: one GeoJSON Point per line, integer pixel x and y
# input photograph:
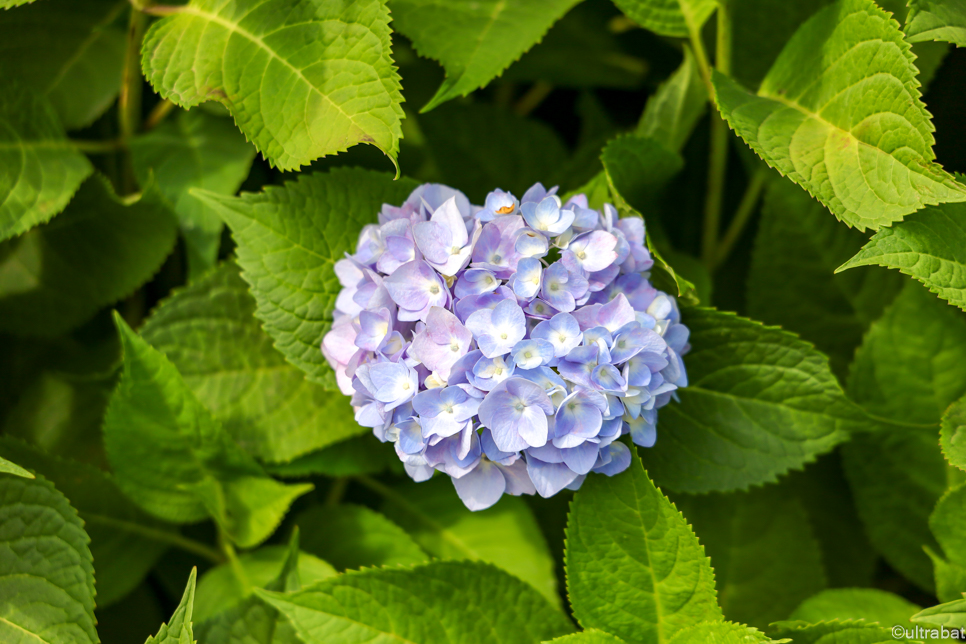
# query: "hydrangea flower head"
{"type": "Point", "coordinates": [508, 346]}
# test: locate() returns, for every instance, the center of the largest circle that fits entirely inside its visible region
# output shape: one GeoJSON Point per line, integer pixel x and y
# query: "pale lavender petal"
{"type": "Point", "coordinates": [549, 478]}
{"type": "Point", "coordinates": [616, 313]}
{"type": "Point", "coordinates": [482, 487]}
{"type": "Point", "coordinates": [613, 459]}
{"type": "Point", "coordinates": [517, 478]}
{"type": "Point", "coordinates": [595, 251]}
{"type": "Point", "coordinates": [530, 354]}
{"type": "Point", "coordinates": [475, 282]}
{"type": "Point", "coordinates": [582, 458]}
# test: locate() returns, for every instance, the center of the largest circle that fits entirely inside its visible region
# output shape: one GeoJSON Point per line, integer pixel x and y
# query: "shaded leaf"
{"type": "Point", "coordinates": [634, 567]}
{"type": "Point", "coordinates": [506, 535]}
{"type": "Point", "coordinates": [759, 402]}
{"type": "Point", "coordinates": [69, 51]}
{"type": "Point", "coordinates": [840, 114]}
{"type": "Point", "coordinates": [870, 604]}
{"type": "Point", "coordinates": [428, 603]}
{"type": "Point", "coordinates": [208, 330]}
{"type": "Point", "coordinates": [175, 461]}
{"type": "Point", "coordinates": [352, 536]}
{"type": "Point", "coordinates": [474, 41]}
{"type": "Point", "coordinates": [46, 575]}
{"type": "Point", "coordinates": [952, 434]}
{"type": "Point", "coordinates": [98, 251]}
{"type": "Point", "coordinates": [948, 525]}
{"type": "Point", "coordinates": [303, 79]}
{"type": "Point", "coordinates": [194, 150]}
{"type": "Point", "coordinates": [676, 107]}
{"type": "Point", "coordinates": [39, 170]}
{"type": "Point", "coordinates": [360, 455]}
{"type": "Point", "coordinates": [288, 239]}
{"type": "Point", "coordinates": [937, 20]}
{"type": "Point", "coordinates": [668, 17]}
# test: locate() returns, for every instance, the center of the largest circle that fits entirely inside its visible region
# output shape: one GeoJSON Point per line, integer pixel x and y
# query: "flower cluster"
{"type": "Point", "coordinates": [507, 346]}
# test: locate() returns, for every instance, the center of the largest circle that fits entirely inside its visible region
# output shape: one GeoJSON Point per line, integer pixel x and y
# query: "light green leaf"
{"type": "Point", "coordinates": [360, 455]}
{"type": "Point", "coordinates": [6, 467]}
{"type": "Point", "coordinates": [446, 601]}
{"type": "Point", "coordinates": [479, 147]}
{"type": "Point", "coordinates": [720, 633]}
{"type": "Point", "coordinates": [759, 402]}
{"type": "Point", "coordinates": [929, 245]}
{"type": "Point", "coordinates": [834, 632]}
{"type": "Point", "coordinates": [474, 41]}
{"type": "Point", "coordinates": [289, 237]}
{"type": "Point", "coordinates": [950, 615]}
{"type": "Point", "coordinates": [98, 251]}
{"type": "Point", "coordinates": [171, 457]}
{"type": "Point", "coordinates": [303, 78]}
{"type": "Point", "coordinates": [950, 577]}
{"type": "Point", "coordinates": [39, 170]}
{"type": "Point", "coordinates": [791, 281]}
{"type": "Point", "coordinates": [506, 535]}
{"type": "Point", "coordinates": [937, 20]}
{"type": "Point", "coordinates": [668, 17]}
{"type": "Point", "coordinates": [124, 541]}
{"type": "Point", "coordinates": [952, 434]}
{"type": "Point", "coordinates": [46, 575]}
{"type": "Point", "coordinates": [581, 52]}
{"type": "Point", "coordinates": [592, 636]}
{"type": "Point", "coordinates": [352, 536]}
{"type": "Point", "coordinates": [9, 4]}
{"type": "Point", "coordinates": [840, 114]}
{"type": "Point", "coordinates": [208, 330]}
{"type": "Point", "coordinates": [870, 604]}
{"type": "Point", "coordinates": [765, 557]}
{"type": "Point", "coordinates": [948, 525]}
{"type": "Point", "coordinates": [675, 108]}
{"type": "Point", "coordinates": [70, 51]}
{"type": "Point", "coordinates": [634, 568]}
{"type": "Point", "coordinates": [221, 588]}
{"type": "Point", "coordinates": [177, 630]}
{"type": "Point", "coordinates": [194, 150]}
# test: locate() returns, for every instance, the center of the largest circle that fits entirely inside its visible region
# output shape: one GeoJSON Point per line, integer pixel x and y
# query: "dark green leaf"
{"type": "Point", "coordinates": [634, 568]}
{"type": "Point", "coordinates": [937, 20]}
{"type": "Point", "coordinates": [289, 238]}
{"type": "Point", "coordinates": [948, 524]}
{"type": "Point", "coordinates": [447, 601]}
{"type": "Point", "coordinates": [678, 18]}
{"type": "Point", "coordinates": [208, 330]}
{"type": "Point", "coordinates": [953, 434]}
{"type": "Point", "coordinates": [360, 455]}
{"type": "Point", "coordinates": [675, 108]}
{"type": "Point", "coordinates": [98, 251]}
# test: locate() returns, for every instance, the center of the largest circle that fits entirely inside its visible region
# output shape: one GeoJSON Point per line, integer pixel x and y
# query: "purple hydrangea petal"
{"type": "Point", "coordinates": [582, 458]}
{"type": "Point", "coordinates": [549, 478]}
{"type": "Point", "coordinates": [482, 487]}
{"type": "Point", "coordinates": [613, 459]}
{"type": "Point", "coordinates": [530, 354]}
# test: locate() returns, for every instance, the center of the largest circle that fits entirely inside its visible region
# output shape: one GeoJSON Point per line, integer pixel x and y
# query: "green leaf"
{"type": "Point", "coordinates": [446, 601]}
{"type": "Point", "coordinates": [719, 633]}
{"type": "Point", "coordinates": [46, 575]}
{"type": "Point", "coordinates": [765, 557]}
{"type": "Point", "coordinates": [950, 577]}
{"type": "Point", "coordinates": [948, 524]}
{"type": "Point", "coordinates": [303, 78]}
{"type": "Point", "coordinates": [474, 41]}
{"type": "Point", "coordinates": [171, 457]}
{"type": "Point", "coordinates": [208, 330]}
{"type": "Point", "coordinates": [9, 4]}
{"type": "Point", "coordinates": [177, 630]}
{"type": "Point", "coordinates": [634, 568]}
{"type": "Point", "coordinates": [843, 604]}
{"type": "Point", "coordinates": [194, 150]}
{"type": "Point", "coordinates": [221, 588]}
{"type": "Point", "coordinates": [580, 51]}
{"type": "Point", "coordinates": [759, 402]}
{"type": "Point", "coordinates": [592, 636]}
{"type": "Point", "coordinates": [289, 237]}
{"type": "Point", "coordinates": [124, 541]}
{"type": "Point", "coordinates": [950, 615]}
{"type": "Point", "coordinates": [360, 455]}
{"type": "Point", "coordinates": [840, 114]}
{"type": "Point", "coordinates": [70, 51]}
{"type": "Point", "coordinates": [952, 434]}
{"type": "Point", "coordinates": [352, 536]}
{"type": "Point", "coordinates": [39, 170]}
{"type": "Point", "coordinates": [479, 147]}
{"type": "Point", "coordinates": [791, 281]}
{"type": "Point", "coordinates": [97, 252]}
{"type": "Point", "coordinates": [937, 20]}
{"type": "Point", "coordinates": [668, 17]}
{"type": "Point", "coordinates": [834, 632]}
{"type": "Point", "coordinates": [6, 467]}
{"type": "Point", "coordinates": [928, 245]}
{"type": "Point", "coordinates": [676, 107]}
{"type": "Point", "coordinates": [506, 535]}
{"type": "Point", "coordinates": [908, 376]}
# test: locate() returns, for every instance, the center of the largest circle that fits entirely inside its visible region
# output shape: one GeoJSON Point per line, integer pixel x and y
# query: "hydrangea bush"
{"type": "Point", "coordinates": [269, 376]}
{"type": "Point", "coordinates": [507, 345]}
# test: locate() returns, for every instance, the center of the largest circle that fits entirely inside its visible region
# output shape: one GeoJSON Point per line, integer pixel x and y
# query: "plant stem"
{"type": "Point", "coordinates": [158, 114]}
{"type": "Point", "coordinates": [129, 103]}
{"type": "Point", "coordinates": [337, 491]}
{"type": "Point", "coordinates": [163, 536]}
{"type": "Point", "coordinates": [718, 154]}
{"type": "Point", "coordinates": [233, 560]}
{"type": "Point", "coordinates": [97, 147]}
{"type": "Point", "coordinates": [742, 215]}
{"type": "Point", "coordinates": [532, 99]}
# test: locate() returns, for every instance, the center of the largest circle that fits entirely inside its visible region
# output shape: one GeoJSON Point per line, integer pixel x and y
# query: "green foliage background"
{"type": "Point", "coordinates": [176, 181]}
